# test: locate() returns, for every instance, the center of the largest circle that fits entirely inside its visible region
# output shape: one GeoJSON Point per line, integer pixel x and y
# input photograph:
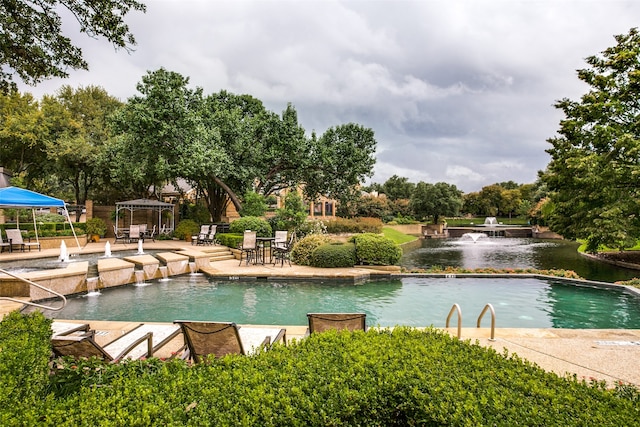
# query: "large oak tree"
{"type": "Point", "coordinates": [594, 173]}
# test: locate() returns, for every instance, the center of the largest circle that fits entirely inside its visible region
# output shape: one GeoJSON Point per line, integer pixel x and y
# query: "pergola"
{"type": "Point", "coordinates": [146, 204]}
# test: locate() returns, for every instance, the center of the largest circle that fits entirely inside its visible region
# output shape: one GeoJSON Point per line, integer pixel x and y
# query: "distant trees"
{"type": "Point", "coordinates": [436, 200]}
{"type": "Point", "coordinates": [594, 171]}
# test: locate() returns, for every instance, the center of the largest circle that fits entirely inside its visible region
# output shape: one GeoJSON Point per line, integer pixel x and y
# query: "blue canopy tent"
{"type": "Point", "coordinates": [19, 198]}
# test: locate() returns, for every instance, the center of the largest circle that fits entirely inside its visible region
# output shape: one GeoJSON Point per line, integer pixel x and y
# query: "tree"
{"type": "Point", "coordinates": [436, 200]}
{"type": "Point", "coordinates": [594, 168]}
{"type": "Point", "coordinates": [33, 47]}
{"type": "Point", "coordinates": [77, 132]}
{"type": "Point", "coordinates": [398, 188]}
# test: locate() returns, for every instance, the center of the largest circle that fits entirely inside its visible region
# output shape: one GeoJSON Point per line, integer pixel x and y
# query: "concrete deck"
{"type": "Point", "coordinates": [610, 355]}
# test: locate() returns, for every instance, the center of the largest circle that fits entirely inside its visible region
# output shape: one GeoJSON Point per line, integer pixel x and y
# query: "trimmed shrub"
{"type": "Point", "coordinates": [384, 377]}
{"type": "Point", "coordinates": [231, 240]}
{"type": "Point", "coordinates": [186, 228]}
{"type": "Point", "coordinates": [303, 250]}
{"type": "Point", "coordinates": [354, 225]}
{"type": "Point", "coordinates": [375, 249]}
{"type": "Point", "coordinates": [334, 255]}
{"type": "Point", "coordinates": [253, 223]}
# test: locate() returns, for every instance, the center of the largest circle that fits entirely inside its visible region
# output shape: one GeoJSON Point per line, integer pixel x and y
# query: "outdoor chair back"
{"type": "Point", "coordinates": [320, 322]}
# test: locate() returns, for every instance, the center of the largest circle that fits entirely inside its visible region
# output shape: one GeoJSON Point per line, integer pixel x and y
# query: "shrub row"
{"type": "Point", "coordinates": [334, 255]}
{"type": "Point", "coordinates": [376, 249]}
{"type": "Point", "coordinates": [354, 225]}
{"type": "Point", "coordinates": [381, 377]}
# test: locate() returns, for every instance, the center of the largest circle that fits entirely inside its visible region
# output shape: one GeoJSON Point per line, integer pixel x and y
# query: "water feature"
{"type": "Point", "coordinates": [140, 278]}
{"type": "Point", "coordinates": [92, 287]}
{"type": "Point", "coordinates": [474, 237]}
{"type": "Point", "coordinates": [64, 253]}
{"type": "Point", "coordinates": [140, 250]}
{"type": "Point", "coordinates": [413, 301]}
{"type": "Point", "coordinates": [164, 272]}
{"type": "Point", "coordinates": [505, 252]}
{"type": "Point", "coordinates": [107, 250]}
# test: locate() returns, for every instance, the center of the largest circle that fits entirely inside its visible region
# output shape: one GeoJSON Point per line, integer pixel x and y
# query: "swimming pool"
{"type": "Point", "coordinates": [411, 301]}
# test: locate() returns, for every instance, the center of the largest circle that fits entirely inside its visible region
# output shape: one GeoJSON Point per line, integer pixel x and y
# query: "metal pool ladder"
{"type": "Point", "coordinates": [33, 304]}
{"type": "Point", "coordinates": [457, 308]}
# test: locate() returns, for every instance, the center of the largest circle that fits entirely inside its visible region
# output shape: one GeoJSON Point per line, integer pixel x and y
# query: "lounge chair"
{"type": "Point", "coordinates": [211, 237]}
{"type": "Point", "coordinates": [67, 328]}
{"type": "Point", "coordinates": [320, 322]}
{"type": "Point", "coordinates": [142, 341]}
{"type": "Point", "coordinates": [4, 244]}
{"type": "Point", "coordinates": [249, 246]}
{"type": "Point", "coordinates": [222, 338]}
{"type": "Point", "coordinates": [14, 236]}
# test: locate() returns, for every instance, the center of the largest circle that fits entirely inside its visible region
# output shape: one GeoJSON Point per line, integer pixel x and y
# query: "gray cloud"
{"type": "Point", "coordinates": [456, 91]}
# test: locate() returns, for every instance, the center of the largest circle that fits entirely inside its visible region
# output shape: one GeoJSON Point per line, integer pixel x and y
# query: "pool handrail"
{"type": "Point", "coordinates": [455, 307]}
{"type": "Point", "coordinates": [493, 320]}
{"type": "Point", "coordinates": [33, 304]}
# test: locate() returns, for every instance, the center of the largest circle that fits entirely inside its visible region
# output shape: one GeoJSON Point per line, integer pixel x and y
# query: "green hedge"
{"type": "Point", "coordinates": [303, 250]}
{"type": "Point", "coordinates": [354, 225]}
{"type": "Point", "coordinates": [231, 240]}
{"type": "Point", "coordinates": [334, 255]}
{"type": "Point", "coordinates": [47, 229]}
{"type": "Point", "coordinates": [376, 249]}
{"type": "Point", "coordinates": [253, 223]}
{"type": "Point", "coordinates": [381, 377]}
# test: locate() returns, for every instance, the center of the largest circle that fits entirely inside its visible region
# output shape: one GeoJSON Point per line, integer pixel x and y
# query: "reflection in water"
{"type": "Point", "coordinates": [501, 252]}
{"type": "Point", "coordinates": [413, 301]}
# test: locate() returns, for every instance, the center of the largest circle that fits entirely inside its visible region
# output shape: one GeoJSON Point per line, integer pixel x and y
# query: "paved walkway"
{"type": "Point", "coordinates": [611, 355]}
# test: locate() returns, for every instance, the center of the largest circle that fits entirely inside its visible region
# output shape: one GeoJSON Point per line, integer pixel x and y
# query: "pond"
{"type": "Point", "coordinates": [502, 252]}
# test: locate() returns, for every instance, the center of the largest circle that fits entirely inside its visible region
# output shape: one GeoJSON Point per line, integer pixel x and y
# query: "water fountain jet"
{"type": "Point", "coordinates": [140, 251]}
{"type": "Point", "coordinates": [107, 250]}
{"type": "Point", "coordinates": [64, 253]}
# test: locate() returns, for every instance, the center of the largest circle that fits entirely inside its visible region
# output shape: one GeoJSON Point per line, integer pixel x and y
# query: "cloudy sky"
{"type": "Point", "coordinates": [460, 92]}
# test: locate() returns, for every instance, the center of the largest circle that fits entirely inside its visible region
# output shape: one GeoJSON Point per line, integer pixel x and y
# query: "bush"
{"type": "Point", "coordinates": [384, 377]}
{"type": "Point", "coordinates": [253, 223]}
{"type": "Point", "coordinates": [254, 204]}
{"type": "Point", "coordinates": [354, 225]}
{"type": "Point", "coordinates": [303, 250]}
{"type": "Point", "coordinates": [334, 255]}
{"type": "Point", "coordinates": [96, 226]}
{"type": "Point", "coordinates": [186, 228]}
{"type": "Point", "coordinates": [310, 227]}
{"type": "Point", "coordinates": [375, 249]}
{"type": "Point", "coordinates": [231, 240]}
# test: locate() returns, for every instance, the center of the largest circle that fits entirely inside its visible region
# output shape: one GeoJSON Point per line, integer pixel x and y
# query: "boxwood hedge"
{"type": "Point", "coordinates": [334, 255]}
{"type": "Point", "coordinates": [384, 377]}
{"type": "Point", "coordinates": [376, 249]}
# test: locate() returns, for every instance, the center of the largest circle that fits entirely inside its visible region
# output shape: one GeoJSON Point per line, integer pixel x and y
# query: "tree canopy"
{"type": "Point", "coordinates": [436, 200]}
{"type": "Point", "coordinates": [594, 171]}
{"type": "Point", "coordinates": [33, 47]}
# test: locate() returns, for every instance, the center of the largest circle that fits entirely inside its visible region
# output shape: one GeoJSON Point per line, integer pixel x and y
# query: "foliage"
{"type": "Point", "coordinates": [355, 225]}
{"type": "Point", "coordinates": [254, 204]}
{"type": "Point", "coordinates": [96, 226]}
{"type": "Point", "coordinates": [635, 282]}
{"type": "Point", "coordinates": [186, 228]}
{"type": "Point", "coordinates": [311, 227]}
{"type": "Point", "coordinates": [367, 206]}
{"type": "Point", "coordinates": [376, 249]}
{"type": "Point", "coordinates": [51, 217]}
{"type": "Point", "coordinates": [303, 250]}
{"type": "Point", "coordinates": [334, 255]}
{"type": "Point", "coordinates": [400, 376]}
{"type": "Point", "coordinates": [437, 269]}
{"type": "Point", "coordinates": [436, 200]}
{"type": "Point", "coordinates": [398, 188]}
{"type": "Point", "coordinates": [292, 215]}
{"type": "Point", "coordinates": [24, 355]}
{"type": "Point", "coordinates": [231, 240]}
{"type": "Point", "coordinates": [33, 45]}
{"type": "Point", "coordinates": [593, 173]}
{"type": "Point", "coordinates": [259, 225]}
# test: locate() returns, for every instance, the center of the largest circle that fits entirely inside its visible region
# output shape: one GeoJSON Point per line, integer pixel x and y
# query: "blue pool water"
{"type": "Point", "coordinates": [412, 301]}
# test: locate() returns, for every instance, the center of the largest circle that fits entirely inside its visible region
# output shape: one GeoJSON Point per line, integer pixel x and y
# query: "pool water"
{"type": "Point", "coordinates": [411, 301]}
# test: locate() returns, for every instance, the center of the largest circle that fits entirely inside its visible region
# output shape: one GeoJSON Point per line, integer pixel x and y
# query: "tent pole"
{"type": "Point", "coordinates": [71, 225]}
{"type": "Point", "coordinates": [35, 227]}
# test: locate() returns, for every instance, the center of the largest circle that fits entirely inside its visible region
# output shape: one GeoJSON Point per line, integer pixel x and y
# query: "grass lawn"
{"type": "Point", "coordinates": [398, 237]}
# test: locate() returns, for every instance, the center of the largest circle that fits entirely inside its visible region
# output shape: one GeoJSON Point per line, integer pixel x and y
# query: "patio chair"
{"type": "Point", "coordinates": [134, 233]}
{"type": "Point", "coordinates": [320, 322]}
{"type": "Point", "coordinates": [14, 236]}
{"type": "Point", "coordinates": [201, 237]}
{"type": "Point", "coordinates": [280, 239]}
{"type": "Point", "coordinates": [282, 252]}
{"type": "Point", "coordinates": [151, 234]}
{"type": "Point", "coordinates": [67, 328]}
{"type": "Point", "coordinates": [120, 236]}
{"type": "Point", "coordinates": [211, 237]}
{"type": "Point", "coordinates": [4, 244]}
{"type": "Point", "coordinates": [249, 246]}
{"type": "Point", "coordinates": [142, 341]}
{"type": "Point", "coordinates": [222, 338]}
